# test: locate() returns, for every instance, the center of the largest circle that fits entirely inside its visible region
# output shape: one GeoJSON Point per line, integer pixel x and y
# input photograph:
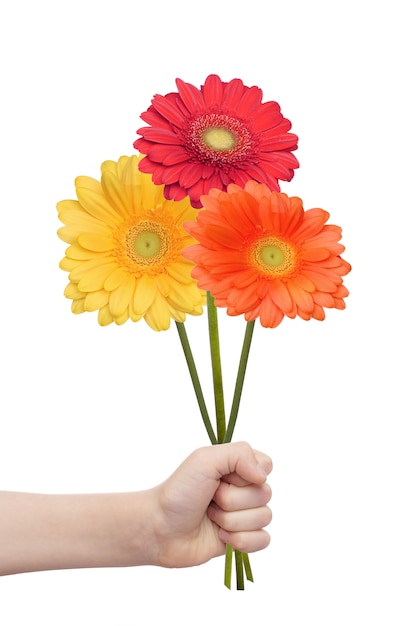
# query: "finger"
{"type": "Point", "coordinates": [240, 465]}
{"type": "Point", "coordinates": [264, 461]}
{"type": "Point", "coordinates": [231, 498]}
{"type": "Point", "coordinates": [246, 541]}
{"type": "Point", "coordinates": [237, 521]}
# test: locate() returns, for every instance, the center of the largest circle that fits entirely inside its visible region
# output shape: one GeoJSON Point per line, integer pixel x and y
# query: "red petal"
{"type": "Point", "coordinates": [160, 135]}
{"type": "Point", "coordinates": [174, 192]}
{"type": "Point", "coordinates": [278, 142]}
{"type": "Point", "coordinates": [269, 115]}
{"type": "Point", "coordinates": [213, 90]}
{"type": "Point", "coordinates": [153, 118]}
{"type": "Point", "coordinates": [259, 174]}
{"type": "Point", "coordinates": [142, 145]}
{"type": "Point", "coordinates": [276, 169]}
{"type": "Point", "coordinates": [190, 175]}
{"type": "Point", "coordinates": [233, 93]}
{"type": "Point", "coordinates": [166, 155]}
{"type": "Point", "coordinates": [249, 102]}
{"type": "Point", "coordinates": [191, 96]}
{"type": "Point", "coordinates": [172, 173]}
{"type": "Point", "coordinates": [148, 167]}
{"type": "Point", "coordinates": [168, 110]}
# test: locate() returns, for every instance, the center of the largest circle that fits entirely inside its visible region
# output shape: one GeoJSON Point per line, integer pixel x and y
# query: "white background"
{"type": "Point", "coordinates": [87, 409]}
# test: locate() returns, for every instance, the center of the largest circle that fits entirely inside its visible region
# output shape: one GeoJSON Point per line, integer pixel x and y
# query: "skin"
{"type": "Point", "coordinates": [218, 495]}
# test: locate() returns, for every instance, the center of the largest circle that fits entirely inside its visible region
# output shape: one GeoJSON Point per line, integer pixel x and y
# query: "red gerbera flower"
{"type": "Point", "coordinates": [262, 255]}
{"type": "Point", "coordinates": [221, 134]}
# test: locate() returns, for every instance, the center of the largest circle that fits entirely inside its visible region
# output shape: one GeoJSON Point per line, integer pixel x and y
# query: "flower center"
{"type": "Point", "coordinates": [147, 244]}
{"type": "Point", "coordinates": [219, 140]}
{"type": "Point", "coordinates": [273, 256]}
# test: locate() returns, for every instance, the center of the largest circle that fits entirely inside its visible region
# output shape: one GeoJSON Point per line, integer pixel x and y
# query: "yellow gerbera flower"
{"type": "Point", "coordinates": [126, 240]}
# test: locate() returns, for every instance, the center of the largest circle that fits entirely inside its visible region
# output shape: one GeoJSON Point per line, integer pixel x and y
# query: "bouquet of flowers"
{"type": "Point", "coordinates": [196, 220]}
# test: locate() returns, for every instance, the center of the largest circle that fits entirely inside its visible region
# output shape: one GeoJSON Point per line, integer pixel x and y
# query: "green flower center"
{"type": "Point", "coordinates": [273, 256]}
{"type": "Point", "coordinates": [147, 244]}
{"type": "Point", "coordinates": [219, 139]}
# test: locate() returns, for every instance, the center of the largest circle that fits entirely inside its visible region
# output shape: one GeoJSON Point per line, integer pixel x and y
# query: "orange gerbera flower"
{"type": "Point", "coordinates": [262, 255]}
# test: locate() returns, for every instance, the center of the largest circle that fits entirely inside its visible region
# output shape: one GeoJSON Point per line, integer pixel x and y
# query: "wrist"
{"type": "Point", "coordinates": [135, 531]}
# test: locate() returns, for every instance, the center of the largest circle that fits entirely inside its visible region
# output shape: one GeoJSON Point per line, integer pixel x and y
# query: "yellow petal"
{"type": "Point", "coordinates": [104, 316]}
{"type": "Point", "coordinates": [119, 298]}
{"type": "Point", "coordinates": [87, 182]}
{"type": "Point", "coordinates": [68, 265]}
{"type": "Point", "coordinates": [76, 252]}
{"type": "Point", "coordinates": [115, 194]}
{"type": "Point", "coordinates": [67, 205]}
{"type": "Point", "coordinates": [81, 268]}
{"type": "Point", "coordinates": [97, 205]}
{"type": "Point", "coordinates": [144, 295]}
{"type": "Point", "coordinates": [95, 300]}
{"type": "Point", "coordinates": [94, 279]}
{"type": "Point", "coordinates": [133, 316]}
{"type": "Point", "coordinates": [178, 316]}
{"type": "Point", "coordinates": [69, 234]}
{"type": "Point", "coordinates": [183, 297]}
{"type": "Point", "coordinates": [77, 306]}
{"type": "Point", "coordinates": [157, 316]}
{"type": "Point", "coordinates": [181, 272]}
{"type": "Point", "coordinates": [131, 178]}
{"type": "Point", "coordinates": [163, 284]}
{"type": "Point", "coordinates": [117, 278]}
{"type": "Point", "coordinates": [122, 318]}
{"type": "Point", "coordinates": [77, 216]}
{"type": "Point", "coordinates": [71, 291]}
{"type": "Point", "coordinates": [98, 243]}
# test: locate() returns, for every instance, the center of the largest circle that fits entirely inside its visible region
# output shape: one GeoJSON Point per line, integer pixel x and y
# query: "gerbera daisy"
{"type": "Point", "coordinates": [262, 255]}
{"type": "Point", "coordinates": [221, 134]}
{"type": "Point", "coordinates": [126, 239]}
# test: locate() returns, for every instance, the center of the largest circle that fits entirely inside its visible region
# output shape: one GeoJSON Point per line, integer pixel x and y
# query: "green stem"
{"type": "Point", "coordinates": [228, 567]}
{"type": "Point", "coordinates": [216, 368]}
{"type": "Point", "coordinates": [248, 569]}
{"type": "Point", "coordinates": [240, 578]}
{"type": "Point", "coordinates": [195, 380]}
{"type": "Point", "coordinates": [239, 381]}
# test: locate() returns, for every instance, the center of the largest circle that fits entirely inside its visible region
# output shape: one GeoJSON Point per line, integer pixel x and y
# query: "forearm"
{"type": "Point", "coordinates": [43, 532]}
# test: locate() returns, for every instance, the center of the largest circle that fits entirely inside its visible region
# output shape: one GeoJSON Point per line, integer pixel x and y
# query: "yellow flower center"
{"type": "Point", "coordinates": [219, 139]}
{"type": "Point", "coordinates": [273, 256]}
